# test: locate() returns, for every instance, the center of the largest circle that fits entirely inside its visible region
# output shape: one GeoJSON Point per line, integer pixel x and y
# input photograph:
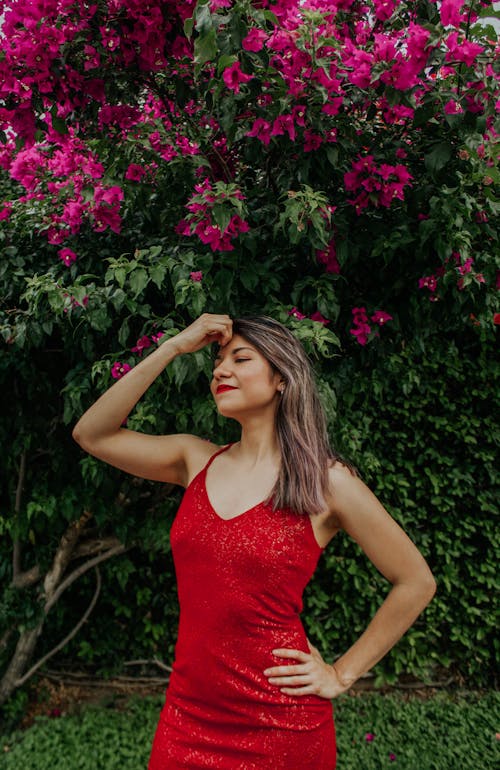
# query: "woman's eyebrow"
{"type": "Point", "coordinates": [236, 350]}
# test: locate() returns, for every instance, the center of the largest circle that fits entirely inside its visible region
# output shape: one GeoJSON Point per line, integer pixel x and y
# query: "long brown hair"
{"type": "Point", "coordinates": [306, 454]}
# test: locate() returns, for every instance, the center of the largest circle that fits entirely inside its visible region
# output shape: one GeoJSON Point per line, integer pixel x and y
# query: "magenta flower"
{"type": "Point", "coordinates": [196, 276]}
{"type": "Point", "coordinates": [233, 77]}
{"type": "Point", "coordinates": [328, 257]}
{"type": "Point", "coordinates": [141, 344]}
{"type": "Point", "coordinates": [261, 129]}
{"type": "Point", "coordinates": [319, 318]}
{"type": "Point", "coordinates": [5, 210]}
{"type": "Point", "coordinates": [369, 737]}
{"type": "Point", "coordinates": [119, 370]}
{"type": "Point", "coordinates": [392, 757]}
{"type": "Point", "coordinates": [450, 12]}
{"type": "Point", "coordinates": [453, 108]}
{"type": "Point", "coordinates": [67, 256]}
{"type": "Point", "coordinates": [466, 267]}
{"type": "Point", "coordinates": [428, 282]}
{"type": "Point", "coordinates": [380, 317]}
{"type": "Point", "coordinates": [254, 41]}
{"type": "Point", "coordinates": [135, 172]}
{"type": "Point", "coordinates": [157, 337]}
{"type": "Point", "coordinates": [296, 313]}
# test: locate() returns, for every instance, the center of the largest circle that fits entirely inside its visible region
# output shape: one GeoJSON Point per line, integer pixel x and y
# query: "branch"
{"type": "Point", "coordinates": [27, 578]}
{"type": "Point", "coordinates": [92, 547]}
{"type": "Point", "coordinates": [81, 570]}
{"type": "Point", "coordinates": [16, 555]}
{"type": "Point", "coordinates": [157, 662]}
{"type": "Point", "coordinates": [67, 638]}
{"type": "Point", "coordinates": [4, 640]}
{"type": "Point", "coordinates": [63, 554]}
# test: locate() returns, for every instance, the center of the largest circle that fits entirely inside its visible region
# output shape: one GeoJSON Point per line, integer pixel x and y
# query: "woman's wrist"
{"type": "Point", "coordinates": [343, 678]}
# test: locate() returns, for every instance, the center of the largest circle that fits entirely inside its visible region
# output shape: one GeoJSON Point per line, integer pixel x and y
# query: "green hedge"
{"type": "Point", "coordinates": [441, 733]}
{"type": "Point", "coordinates": [422, 429]}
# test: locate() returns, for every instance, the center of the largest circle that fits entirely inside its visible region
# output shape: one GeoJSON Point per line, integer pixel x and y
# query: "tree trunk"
{"type": "Point", "coordinates": [20, 660]}
{"type": "Point", "coordinates": [55, 583]}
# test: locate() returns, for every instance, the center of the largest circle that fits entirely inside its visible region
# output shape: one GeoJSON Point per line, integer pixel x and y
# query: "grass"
{"type": "Point", "coordinates": [445, 732]}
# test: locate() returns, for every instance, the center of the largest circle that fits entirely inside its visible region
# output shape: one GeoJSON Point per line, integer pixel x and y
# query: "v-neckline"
{"type": "Point", "coordinates": [205, 490]}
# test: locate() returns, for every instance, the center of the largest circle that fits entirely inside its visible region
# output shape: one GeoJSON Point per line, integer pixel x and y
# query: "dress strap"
{"type": "Point", "coordinates": [219, 451]}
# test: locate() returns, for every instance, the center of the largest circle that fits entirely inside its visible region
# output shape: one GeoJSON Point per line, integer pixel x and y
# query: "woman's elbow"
{"type": "Point", "coordinates": [78, 435]}
{"type": "Point", "coordinates": [428, 586]}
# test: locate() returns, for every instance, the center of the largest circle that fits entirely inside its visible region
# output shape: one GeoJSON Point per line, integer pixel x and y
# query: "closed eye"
{"type": "Point", "coordinates": [236, 361]}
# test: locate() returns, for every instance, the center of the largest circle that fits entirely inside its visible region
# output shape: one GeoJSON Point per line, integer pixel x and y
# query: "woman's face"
{"type": "Point", "coordinates": [243, 380]}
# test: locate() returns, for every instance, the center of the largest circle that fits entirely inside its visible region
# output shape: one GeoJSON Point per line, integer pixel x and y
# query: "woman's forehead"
{"type": "Point", "coordinates": [235, 344]}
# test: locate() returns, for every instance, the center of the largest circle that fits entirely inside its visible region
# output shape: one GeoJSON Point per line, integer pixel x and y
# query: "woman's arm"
{"type": "Point", "coordinates": [356, 510]}
{"type": "Point", "coordinates": [361, 515]}
{"type": "Point", "coordinates": [161, 458]}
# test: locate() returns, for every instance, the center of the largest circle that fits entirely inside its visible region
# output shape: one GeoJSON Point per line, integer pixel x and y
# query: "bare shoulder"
{"type": "Point", "coordinates": [197, 453]}
{"type": "Point", "coordinates": [346, 490]}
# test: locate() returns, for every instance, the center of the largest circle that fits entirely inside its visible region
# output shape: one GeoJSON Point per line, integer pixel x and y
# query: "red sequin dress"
{"type": "Point", "coordinates": [240, 584]}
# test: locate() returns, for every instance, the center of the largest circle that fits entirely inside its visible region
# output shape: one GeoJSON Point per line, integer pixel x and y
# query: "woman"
{"type": "Point", "coordinates": [247, 689]}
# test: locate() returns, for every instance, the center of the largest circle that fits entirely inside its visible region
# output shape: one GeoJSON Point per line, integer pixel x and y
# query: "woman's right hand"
{"type": "Point", "coordinates": [208, 328]}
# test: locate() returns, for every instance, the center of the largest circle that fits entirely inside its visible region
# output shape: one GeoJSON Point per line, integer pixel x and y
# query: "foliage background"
{"type": "Point", "coordinates": [135, 207]}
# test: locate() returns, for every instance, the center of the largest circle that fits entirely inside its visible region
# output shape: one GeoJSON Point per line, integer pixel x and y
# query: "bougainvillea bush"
{"type": "Point", "coordinates": [333, 164]}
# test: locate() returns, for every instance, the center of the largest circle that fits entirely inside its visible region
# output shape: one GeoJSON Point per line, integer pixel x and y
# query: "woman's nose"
{"type": "Point", "coordinates": [222, 370]}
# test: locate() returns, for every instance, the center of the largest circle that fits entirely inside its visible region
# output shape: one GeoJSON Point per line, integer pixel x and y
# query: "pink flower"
{"type": "Point", "coordinates": [466, 267]}
{"type": "Point", "coordinates": [135, 172]}
{"type": "Point", "coordinates": [261, 129]}
{"type": "Point", "coordinates": [362, 328]}
{"type": "Point", "coordinates": [462, 50]}
{"type": "Point", "coordinates": [329, 258]}
{"type": "Point", "coordinates": [428, 282]}
{"type": "Point", "coordinates": [392, 757]}
{"type": "Point", "coordinates": [296, 313]}
{"type": "Point", "coordinates": [119, 370]}
{"type": "Point", "coordinates": [369, 737]}
{"type": "Point", "coordinates": [319, 318]}
{"type": "Point", "coordinates": [157, 337]}
{"type": "Point", "coordinates": [311, 141]}
{"type": "Point", "coordinates": [450, 12]}
{"type": "Point", "coordinates": [141, 344]}
{"type": "Point", "coordinates": [453, 108]}
{"type": "Point", "coordinates": [67, 256]}
{"type": "Point", "coordinates": [380, 317]}
{"type": "Point", "coordinates": [196, 276]}
{"type": "Point", "coordinates": [233, 77]}
{"type": "Point", "coordinates": [254, 41]}
{"type": "Point", "coordinates": [5, 211]}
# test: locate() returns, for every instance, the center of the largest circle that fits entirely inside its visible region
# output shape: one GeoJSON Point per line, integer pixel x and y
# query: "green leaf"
{"type": "Point", "coordinates": [188, 27]}
{"type": "Point", "coordinates": [438, 157]}
{"type": "Point", "coordinates": [139, 279]}
{"type": "Point", "coordinates": [157, 274]}
{"type": "Point", "coordinates": [205, 47]}
{"type": "Point", "coordinates": [222, 216]}
{"type": "Point", "coordinates": [224, 62]}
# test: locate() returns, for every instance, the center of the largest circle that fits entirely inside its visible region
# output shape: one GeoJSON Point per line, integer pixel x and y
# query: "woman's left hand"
{"type": "Point", "coordinates": [311, 676]}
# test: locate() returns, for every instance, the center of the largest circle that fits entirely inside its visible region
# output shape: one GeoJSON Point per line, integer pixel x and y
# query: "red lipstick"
{"type": "Point", "coordinates": [222, 388]}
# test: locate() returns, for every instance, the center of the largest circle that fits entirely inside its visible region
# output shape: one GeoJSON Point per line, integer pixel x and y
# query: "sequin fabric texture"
{"type": "Point", "coordinates": [240, 584]}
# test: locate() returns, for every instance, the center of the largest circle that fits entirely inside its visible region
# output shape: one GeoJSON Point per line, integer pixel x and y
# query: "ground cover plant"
{"type": "Point", "coordinates": [332, 164]}
{"type": "Point", "coordinates": [374, 731]}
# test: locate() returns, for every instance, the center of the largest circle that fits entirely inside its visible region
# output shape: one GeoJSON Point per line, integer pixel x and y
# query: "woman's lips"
{"type": "Point", "coordinates": [222, 388]}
